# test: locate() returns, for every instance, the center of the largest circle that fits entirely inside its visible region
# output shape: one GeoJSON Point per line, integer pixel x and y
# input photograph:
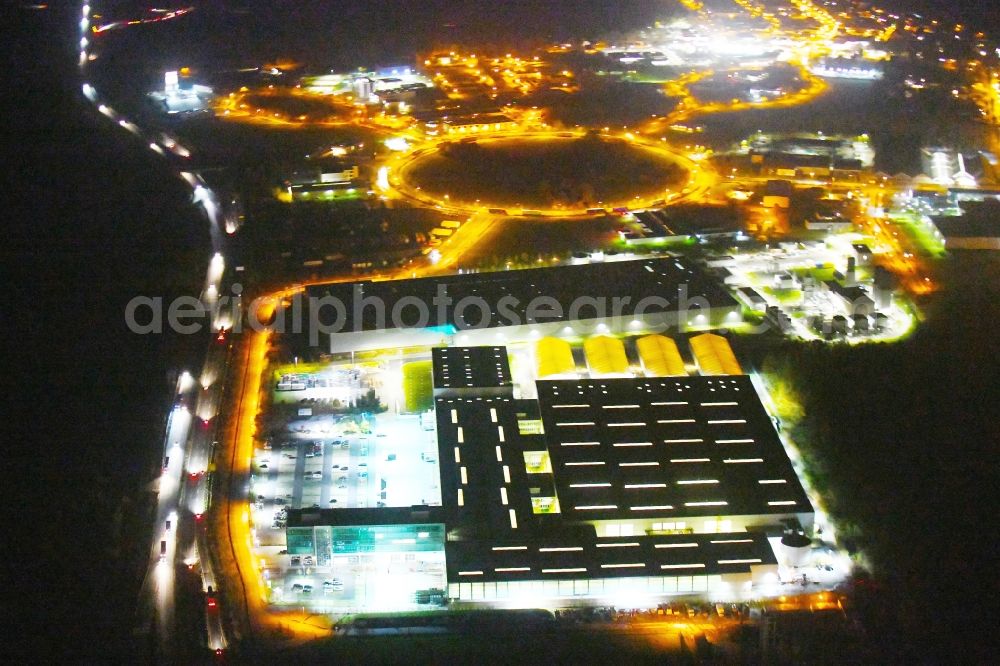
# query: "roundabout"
{"type": "Point", "coordinates": [542, 174]}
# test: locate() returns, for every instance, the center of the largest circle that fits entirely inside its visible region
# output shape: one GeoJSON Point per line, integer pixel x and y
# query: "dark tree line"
{"type": "Point", "coordinates": [902, 442]}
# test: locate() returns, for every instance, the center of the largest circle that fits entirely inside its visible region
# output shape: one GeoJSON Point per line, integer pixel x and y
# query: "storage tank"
{"type": "Point", "coordinates": [793, 550]}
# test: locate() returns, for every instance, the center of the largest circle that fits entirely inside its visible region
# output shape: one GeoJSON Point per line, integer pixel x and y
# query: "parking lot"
{"type": "Point", "coordinates": [345, 460]}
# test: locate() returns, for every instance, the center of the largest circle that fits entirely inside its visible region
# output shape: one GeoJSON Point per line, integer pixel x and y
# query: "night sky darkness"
{"type": "Point", "coordinates": [92, 219]}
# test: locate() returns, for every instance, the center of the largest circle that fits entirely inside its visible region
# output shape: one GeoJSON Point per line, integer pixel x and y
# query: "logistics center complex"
{"type": "Point", "coordinates": [596, 485]}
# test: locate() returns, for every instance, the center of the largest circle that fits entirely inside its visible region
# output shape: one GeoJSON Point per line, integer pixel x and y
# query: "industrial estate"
{"type": "Point", "coordinates": [542, 452]}
{"type": "Point", "coordinates": [510, 302]}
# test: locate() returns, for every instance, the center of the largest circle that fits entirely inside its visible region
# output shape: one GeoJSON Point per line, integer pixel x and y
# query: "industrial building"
{"type": "Point", "coordinates": [477, 124]}
{"type": "Point", "coordinates": [777, 194]}
{"type": "Point", "coordinates": [479, 309]}
{"type": "Point", "coordinates": [603, 467]}
{"type": "Point", "coordinates": [682, 223]}
{"type": "Point", "coordinates": [976, 229]}
{"type": "Point", "coordinates": [849, 68]}
{"type": "Point", "coordinates": [369, 87]}
{"type": "Point", "coordinates": [601, 490]}
{"type": "Point", "coordinates": [471, 371]}
{"type": "Point", "coordinates": [181, 95]}
{"type": "Point", "coordinates": [321, 174]}
{"type": "Point", "coordinates": [812, 157]}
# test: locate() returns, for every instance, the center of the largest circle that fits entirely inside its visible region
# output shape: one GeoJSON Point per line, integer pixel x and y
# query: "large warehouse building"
{"type": "Point", "coordinates": [600, 489]}
{"type": "Point", "coordinates": [491, 308]}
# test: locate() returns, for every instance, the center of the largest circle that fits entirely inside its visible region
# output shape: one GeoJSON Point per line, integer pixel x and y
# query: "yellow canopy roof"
{"type": "Point", "coordinates": [554, 357]}
{"type": "Point", "coordinates": [606, 355]}
{"type": "Point", "coordinates": [660, 356]}
{"type": "Point", "coordinates": [714, 355]}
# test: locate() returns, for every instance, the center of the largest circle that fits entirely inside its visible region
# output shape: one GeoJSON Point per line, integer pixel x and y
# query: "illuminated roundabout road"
{"type": "Point", "coordinates": [400, 176]}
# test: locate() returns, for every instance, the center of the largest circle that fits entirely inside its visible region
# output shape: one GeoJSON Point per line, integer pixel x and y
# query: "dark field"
{"type": "Point", "coordinates": [547, 173]}
{"type": "Point", "coordinates": [537, 242]}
